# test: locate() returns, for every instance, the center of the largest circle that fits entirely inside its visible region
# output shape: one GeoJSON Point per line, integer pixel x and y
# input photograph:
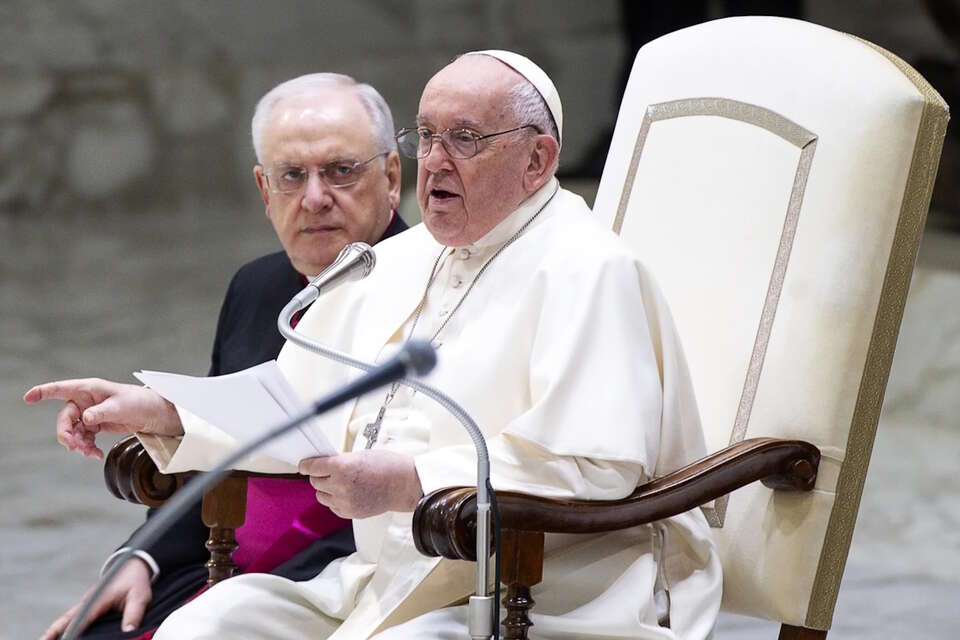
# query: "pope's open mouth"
{"type": "Point", "coordinates": [441, 194]}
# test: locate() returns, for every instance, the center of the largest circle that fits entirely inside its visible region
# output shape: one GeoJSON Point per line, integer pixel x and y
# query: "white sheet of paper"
{"type": "Point", "coordinates": [244, 405]}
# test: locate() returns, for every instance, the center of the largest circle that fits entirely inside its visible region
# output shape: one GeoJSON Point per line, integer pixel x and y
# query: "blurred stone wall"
{"type": "Point", "coordinates": [131, 104]}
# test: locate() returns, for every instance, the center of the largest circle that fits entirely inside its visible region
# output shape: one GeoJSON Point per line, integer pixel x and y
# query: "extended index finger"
{"type": "Point", "coordinates": [57, 390]}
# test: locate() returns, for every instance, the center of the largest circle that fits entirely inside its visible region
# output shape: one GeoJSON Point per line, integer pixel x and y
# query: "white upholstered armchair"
{"type": "Point", "coordinates": [774, 176]}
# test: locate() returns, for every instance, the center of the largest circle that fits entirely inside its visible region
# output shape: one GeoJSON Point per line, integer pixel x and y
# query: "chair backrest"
{"type": "Point", "coordinates": [775, 175]}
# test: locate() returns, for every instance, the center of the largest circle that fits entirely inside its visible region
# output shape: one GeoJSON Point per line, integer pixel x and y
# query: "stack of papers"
{"type": "Point", "coordinates": [245, 405]}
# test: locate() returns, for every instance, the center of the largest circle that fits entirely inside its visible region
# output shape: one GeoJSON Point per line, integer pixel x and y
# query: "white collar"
{"type": "Point", "coordinates": [509, 226]}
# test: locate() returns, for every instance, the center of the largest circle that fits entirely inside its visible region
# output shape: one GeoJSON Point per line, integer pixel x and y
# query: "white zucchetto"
{"type": "Point", "coordinates": [535, 75]}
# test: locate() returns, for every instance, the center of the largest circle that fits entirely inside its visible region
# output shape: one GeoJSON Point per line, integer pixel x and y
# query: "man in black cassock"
{"type": "Point", "coordinates": [328, 174]}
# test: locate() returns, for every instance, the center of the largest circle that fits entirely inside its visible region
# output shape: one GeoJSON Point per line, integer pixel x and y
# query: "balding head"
{"type": "Point", "coordinates": [318, 86]}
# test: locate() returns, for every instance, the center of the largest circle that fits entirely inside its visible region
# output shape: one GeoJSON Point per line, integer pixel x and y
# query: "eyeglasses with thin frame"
{"type": "Point", "coordinates": [459, 143]}
{"type": "Point", "coordinates": [292, 178]}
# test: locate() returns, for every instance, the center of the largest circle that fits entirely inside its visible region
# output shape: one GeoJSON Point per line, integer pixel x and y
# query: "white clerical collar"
{"type": "Point", "coordinates": [510, 225]}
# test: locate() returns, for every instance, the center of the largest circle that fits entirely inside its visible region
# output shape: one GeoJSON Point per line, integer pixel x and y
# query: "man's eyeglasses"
{"type": "Point", "coordinates": [291, 178]}
{"type": "Point", "coordinates": [458, 143]}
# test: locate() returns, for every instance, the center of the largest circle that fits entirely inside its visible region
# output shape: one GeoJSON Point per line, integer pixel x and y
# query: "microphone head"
{"type": "Point", "coordinates": [358, 251]}
{"type": "Point", "coordinates": [420, 357]}
{"type": "Point", "coordinates": [355, 262]}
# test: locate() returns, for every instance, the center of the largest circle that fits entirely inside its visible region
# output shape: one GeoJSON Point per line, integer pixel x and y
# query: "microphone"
{"type": "Point", "coordinates": [417, 357]}
{"type": "Point", "coordinates": [355, 262]}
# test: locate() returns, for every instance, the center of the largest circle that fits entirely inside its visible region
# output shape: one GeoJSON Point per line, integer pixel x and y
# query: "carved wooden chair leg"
{"type": "Point", "coordinates": [789, 632]}
{"type": "Point", "coordinates": [224, 509]}
{"type": "Point", "coordinates": [520, 573]}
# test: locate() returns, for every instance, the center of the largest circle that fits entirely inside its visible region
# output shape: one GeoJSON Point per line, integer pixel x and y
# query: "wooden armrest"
{"type": "Point", "coordinates": [131, 475]}
{"type": "Point", "coordinates": [444, 523]}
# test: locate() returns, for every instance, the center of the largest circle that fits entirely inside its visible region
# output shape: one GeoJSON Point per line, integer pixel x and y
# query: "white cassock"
{"type": "Point", "coordinates": [565, 355]}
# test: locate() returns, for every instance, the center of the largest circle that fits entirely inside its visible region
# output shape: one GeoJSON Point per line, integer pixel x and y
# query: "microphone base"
{"type": "Point", "coordinates": [480, 617]}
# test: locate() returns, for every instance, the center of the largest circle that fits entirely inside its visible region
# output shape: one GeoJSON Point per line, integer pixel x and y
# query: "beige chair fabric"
{"type": "Point", "coordinates": [775, 175]}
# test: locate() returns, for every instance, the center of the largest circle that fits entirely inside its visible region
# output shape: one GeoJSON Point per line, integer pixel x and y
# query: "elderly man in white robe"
{"type": "Point", "coordinates": [549, 332]}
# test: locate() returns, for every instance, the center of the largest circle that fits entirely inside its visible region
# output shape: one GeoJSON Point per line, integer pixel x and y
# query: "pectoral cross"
{"type": "Point", "coordinates": [372, 430]}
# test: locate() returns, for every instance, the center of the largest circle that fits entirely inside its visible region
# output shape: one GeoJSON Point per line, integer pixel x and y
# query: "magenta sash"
{"type": "Point", "coordinates": [283, 518]}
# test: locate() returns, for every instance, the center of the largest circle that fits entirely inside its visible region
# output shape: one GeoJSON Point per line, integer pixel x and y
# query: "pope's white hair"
{"type": "Point", "coordinates": [529, 107]}
{"type": "Point", "coordinates": [312, 83]}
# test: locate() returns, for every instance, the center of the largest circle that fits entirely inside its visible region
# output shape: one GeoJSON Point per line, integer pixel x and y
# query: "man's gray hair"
{"type": "Point", "coordinates": [529, 107]}
{"type": "Point", "coordinates": [376, 106]}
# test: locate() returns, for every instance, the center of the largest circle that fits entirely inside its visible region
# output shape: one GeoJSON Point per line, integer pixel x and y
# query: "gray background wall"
{"type": "Point", "coordinates": [147, 104]}
{"type": "Point", "coordinates": [126, 203]}
{"type": "Point", "coordinates": [137, 105]}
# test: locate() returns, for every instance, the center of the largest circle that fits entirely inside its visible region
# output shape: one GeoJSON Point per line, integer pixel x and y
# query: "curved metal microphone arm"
{"type": "Point", "coordinates": [482, 604]}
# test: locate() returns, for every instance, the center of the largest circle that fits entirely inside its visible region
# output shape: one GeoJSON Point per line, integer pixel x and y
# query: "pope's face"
{"type": "Point", "coordinates": [317, 221]}
{"type": "Point", "coordinates": [462, 199]}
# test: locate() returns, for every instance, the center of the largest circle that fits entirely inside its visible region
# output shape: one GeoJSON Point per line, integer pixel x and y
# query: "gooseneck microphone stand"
{"type": "Point", "coordinates": [417, 357]}
{"type": "Point", "coordinates": [355, 262]}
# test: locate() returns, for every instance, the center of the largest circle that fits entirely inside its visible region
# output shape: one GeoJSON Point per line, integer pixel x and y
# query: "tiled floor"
{"type": "Point", "coordinates": [109, 294]}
